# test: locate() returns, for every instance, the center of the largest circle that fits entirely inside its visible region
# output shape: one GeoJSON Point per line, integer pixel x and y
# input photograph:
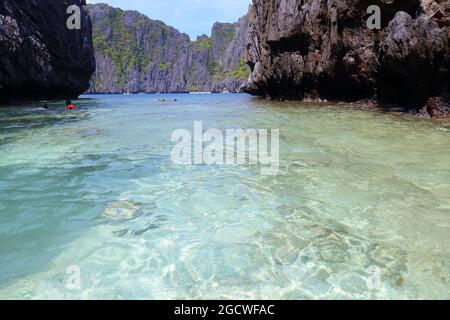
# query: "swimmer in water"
{"type": "Point", "coordinates": [69, 105]}
{"type": "Point", "coordinates": [45, 106]}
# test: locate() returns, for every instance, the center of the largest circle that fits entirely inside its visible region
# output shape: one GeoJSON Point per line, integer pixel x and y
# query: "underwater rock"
{"type": "Point", "coordinates": [122, 210]}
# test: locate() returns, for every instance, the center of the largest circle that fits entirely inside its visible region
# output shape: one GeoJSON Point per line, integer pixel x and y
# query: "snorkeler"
{"type": "Point", "coordinates": [45, 106]}
{"type": "Point", "coordinates": [164, 100]}
{"type": "Point", "coordinates": [69, 105]}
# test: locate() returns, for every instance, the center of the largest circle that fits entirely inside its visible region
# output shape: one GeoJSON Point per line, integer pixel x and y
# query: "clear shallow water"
{"type": "Point", "coordinates": [96, 188]}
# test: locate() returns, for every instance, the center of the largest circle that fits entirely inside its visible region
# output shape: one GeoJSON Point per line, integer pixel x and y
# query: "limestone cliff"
{"type": "Point", "coordinates": [40, 58]}
{"type": "Point", "coordinates": [324, 49]}
{"type": "Point", "coordinates": [137, 54]}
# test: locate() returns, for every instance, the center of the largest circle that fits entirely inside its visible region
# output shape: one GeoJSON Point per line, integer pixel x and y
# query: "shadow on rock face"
{"type": "Point", "coordinates": [413, 60]}
{"type": "Point", "coordinates": [40, 57]}
{"type": "Point", "coordinates": [301, 50]}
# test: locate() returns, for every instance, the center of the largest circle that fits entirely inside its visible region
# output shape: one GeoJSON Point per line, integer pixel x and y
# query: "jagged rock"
{"type": "Point", "coordinates": [413, 58]}
{"type": "Point", "coordinates": [433, 109]}
{"type": "Point", "coordinates": [433, 9]}
{"type": "Point", "coordinates": [138, 54]}
{"type": "Point", "coordinates": [323, 49]}
{"type": "Point", "coordinates": [39, 56]}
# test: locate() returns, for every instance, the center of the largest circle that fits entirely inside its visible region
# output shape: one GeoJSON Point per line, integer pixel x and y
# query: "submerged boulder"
{"type": "Point", "coordinates": [122, 210]}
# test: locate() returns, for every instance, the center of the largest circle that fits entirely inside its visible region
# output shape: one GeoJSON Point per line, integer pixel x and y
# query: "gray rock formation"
{"type": "Point", "coordinates": [137, 54]}
{"type": "Point", "coordinates": [413, 59]}
{"type": "Point", "coordinates": [40, 58]}
{"type": "Point", "coordinates": [324, 49]}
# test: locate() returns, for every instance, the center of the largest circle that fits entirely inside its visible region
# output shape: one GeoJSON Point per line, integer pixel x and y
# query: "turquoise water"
{"type": "Point", "coordinates": [96, 188]}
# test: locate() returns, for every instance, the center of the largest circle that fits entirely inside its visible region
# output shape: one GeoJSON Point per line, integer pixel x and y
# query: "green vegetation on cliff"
{"type": "Point", "coordinates": [204, 43]}
{"type": "Point", "coordinates": [241, 72]}
{"type": "Point", "coordinates": [137, 54]}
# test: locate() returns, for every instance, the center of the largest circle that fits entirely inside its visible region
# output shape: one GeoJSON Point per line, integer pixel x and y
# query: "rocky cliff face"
{"type": "Point", "coordinates": [39, 56]}
{"type": "Point", "coordinates": [137, 54]}
{"type": "Point", "coordinates": [324, 49]}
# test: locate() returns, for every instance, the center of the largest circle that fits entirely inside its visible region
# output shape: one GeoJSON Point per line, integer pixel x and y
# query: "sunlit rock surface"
{"type": "Point", "coordinates": [137, 54]}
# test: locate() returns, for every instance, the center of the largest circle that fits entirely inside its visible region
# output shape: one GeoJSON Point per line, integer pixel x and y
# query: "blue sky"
{"type": "Point", "coordinates": [194, 17]}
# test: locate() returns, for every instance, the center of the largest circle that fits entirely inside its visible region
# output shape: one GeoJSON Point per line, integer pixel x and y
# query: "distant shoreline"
{"type": "Point", "coordinates": [160, 93]}
{"type": "Point", "coordinates": [364, 104]}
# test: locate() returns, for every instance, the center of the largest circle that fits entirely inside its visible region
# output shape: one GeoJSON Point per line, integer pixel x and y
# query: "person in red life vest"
{"type": "Point", "coordinates": [70, 106]}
